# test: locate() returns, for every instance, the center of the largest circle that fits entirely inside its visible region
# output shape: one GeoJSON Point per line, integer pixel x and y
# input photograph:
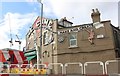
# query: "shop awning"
{"type": "Point", "coordinates": [30, 53]}
{"type": "Point", "coordinates": [30, 57]}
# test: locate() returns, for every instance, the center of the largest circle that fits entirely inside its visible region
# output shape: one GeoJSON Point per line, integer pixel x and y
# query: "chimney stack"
{"type": "Point", "coordinates": [95, 15]}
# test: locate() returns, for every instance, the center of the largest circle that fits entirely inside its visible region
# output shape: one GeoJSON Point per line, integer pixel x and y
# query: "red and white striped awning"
{"type": "Point", "coordinates": [18, 56]}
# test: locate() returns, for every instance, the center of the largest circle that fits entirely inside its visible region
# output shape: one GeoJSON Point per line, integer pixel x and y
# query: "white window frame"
{"type": "Point", "coordinates": [70, 40]}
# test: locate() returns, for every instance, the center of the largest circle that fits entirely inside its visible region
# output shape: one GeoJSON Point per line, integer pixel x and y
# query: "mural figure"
{"type": "Point", "coordinates": [91, 36]}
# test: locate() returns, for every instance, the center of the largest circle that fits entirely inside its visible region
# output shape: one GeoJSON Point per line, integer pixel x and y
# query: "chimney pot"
{"type": "Point", "coordinates": [93, 10]}
{"type": "Point", "coordinates": [95, 15]}
{"type": "Point", "coordinates": [97, 10]}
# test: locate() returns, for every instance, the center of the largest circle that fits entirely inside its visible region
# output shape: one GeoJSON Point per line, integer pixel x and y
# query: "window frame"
{"type": "Point", "coordinates": [75, 39]}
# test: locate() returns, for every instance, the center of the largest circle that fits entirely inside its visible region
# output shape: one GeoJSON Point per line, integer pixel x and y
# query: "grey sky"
{"type": "Point", "coordinates": [81, 11]}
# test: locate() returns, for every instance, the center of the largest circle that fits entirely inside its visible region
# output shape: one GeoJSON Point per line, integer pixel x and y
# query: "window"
{"type": "Point", "coordinates": [73, 40]}
{"type": "Point", "coordinates": [31, 36]}
{"type": "Point", "coordinates": [67, 24]}
{"type": "Point", "coordinates": [45, 38]}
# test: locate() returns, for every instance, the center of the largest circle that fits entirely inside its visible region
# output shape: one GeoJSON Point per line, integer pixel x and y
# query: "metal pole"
{"type": "Point", "coordinates": [40, 51]}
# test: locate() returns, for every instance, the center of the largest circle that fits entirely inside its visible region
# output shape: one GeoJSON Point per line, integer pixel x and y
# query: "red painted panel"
{"type": "Point", "coordinates": [22, 56]}
{"type": "Point", "coordinates": [2, 58]}
{"type": "Point", "coordinates": [11, 52]}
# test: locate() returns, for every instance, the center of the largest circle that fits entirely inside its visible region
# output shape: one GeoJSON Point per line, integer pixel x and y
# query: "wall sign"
{"type": "Point", "coordinates": [98, 25]}
{"type": "Point", "coordinates": [45, 23]}
{"type": "Point", "coordinates": [81, 27]}
{"type": "Point", "coordinates": [100, 36]}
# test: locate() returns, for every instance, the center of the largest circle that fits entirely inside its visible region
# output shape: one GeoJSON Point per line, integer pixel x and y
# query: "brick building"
{"type": "Point", "coordinates": [96, 41]}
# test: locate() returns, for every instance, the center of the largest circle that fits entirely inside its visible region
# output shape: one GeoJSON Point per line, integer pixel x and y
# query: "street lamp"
{"type": "Point", "coordinates": [39, 51]}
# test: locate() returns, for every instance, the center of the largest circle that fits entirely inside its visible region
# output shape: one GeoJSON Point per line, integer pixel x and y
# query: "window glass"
{"type": "Point", "coordinates": [73, 40]}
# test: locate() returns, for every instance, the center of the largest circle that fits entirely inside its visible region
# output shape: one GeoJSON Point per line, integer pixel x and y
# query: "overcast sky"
{"type": "Point", "coordinates": [20, 15]}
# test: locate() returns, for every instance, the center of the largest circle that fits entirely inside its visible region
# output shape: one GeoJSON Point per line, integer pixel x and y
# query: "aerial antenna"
{"type": "Point", "coordinates": [18, 41]}
{"type": "Point", "coordinates": [11, 40]}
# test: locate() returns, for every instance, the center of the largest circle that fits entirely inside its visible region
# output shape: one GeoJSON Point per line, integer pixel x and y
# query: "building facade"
{"type": "Point", "coordinates": [32, 39]}
{"type": "Point", "coordinates": [64, 43]}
